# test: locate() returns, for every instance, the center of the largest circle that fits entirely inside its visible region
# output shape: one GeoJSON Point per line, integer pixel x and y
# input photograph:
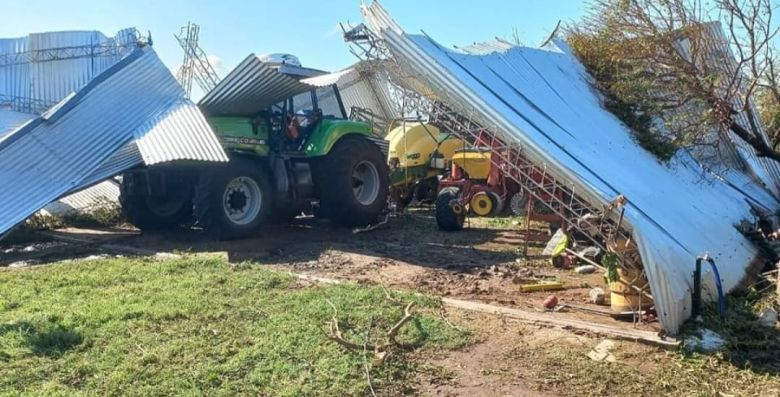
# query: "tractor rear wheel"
{"type": "Point", "coordinates": [353, 182]}
{"type": "Point", "coordinates": [448, 217]}
{"type": "Point", "coordinates": [150, 213]}
{"type": "Point", "coordinates": [232, 200]}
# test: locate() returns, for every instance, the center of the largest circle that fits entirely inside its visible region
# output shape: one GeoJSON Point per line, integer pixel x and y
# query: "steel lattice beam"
{"type": "Point", "coordinates": [195, 65]}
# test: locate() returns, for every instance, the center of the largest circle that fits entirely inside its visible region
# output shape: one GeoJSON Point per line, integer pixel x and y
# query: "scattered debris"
{"type": "Point", "coordinates": [550, 302]}
{"type": "Point", "coordinates": [706, 341]}
{"type": "Point", "coordinates": [27, 263]}
{"type": "Point", "coordinates": [163, 256]}
{"type": "Point", "coordinates": [95, 257]}
{"type": "Point", "coordinates": [585, 269]}
{"type": "Point", "coordinates": [372, 227]}
{"type": "Point", "coordinates": [543, 286]}
{"type": "Point", "coordinates": [768, 317]}
{"type": "Point", "coordinates": [602, 352]}
{"type": "Point", "coordinates": [597, 296]}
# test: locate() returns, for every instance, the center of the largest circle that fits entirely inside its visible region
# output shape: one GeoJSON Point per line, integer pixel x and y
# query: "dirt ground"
{"type": "Point", "coordinates": [484, 263]}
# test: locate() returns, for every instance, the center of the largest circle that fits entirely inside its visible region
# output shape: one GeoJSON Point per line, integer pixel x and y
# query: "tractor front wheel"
{"type": "Point", "coordinates": [232, 200]}
{"type": "Point", "coordinates": [450, 214]}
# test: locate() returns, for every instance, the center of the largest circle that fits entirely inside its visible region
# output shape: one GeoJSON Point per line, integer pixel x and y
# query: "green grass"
{"type": "Point", "coordinates": [196, 326]}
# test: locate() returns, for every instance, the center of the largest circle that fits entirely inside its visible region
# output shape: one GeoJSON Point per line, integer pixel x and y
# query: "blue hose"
{"type": "Point", "coordinates": [721, 298]}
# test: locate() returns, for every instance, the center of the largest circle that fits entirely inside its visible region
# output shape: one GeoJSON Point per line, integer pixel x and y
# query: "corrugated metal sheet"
{"type": "Point", "coordinates": [85, 200]}
{"type": "Point", "coordinates": [541, 98]}
{"type": "Point", "coordinates": [327, 79]}
{"type": "Point", "coordinates": [249, 88]}
{"type": "Point", "coordinates": [359, 85]}
{"type": "Point", "coordinates": [135, 107]}
{"type": "Point", "coordinates": [43, 68]}
{"type": "Point", "coordinates": [10, 120]}
{"type": "Point", "coordinates": [254, 85]}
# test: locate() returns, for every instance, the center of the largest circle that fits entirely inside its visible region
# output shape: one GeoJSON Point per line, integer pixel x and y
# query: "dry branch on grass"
{"type": "Point", "coordinates": [381, 352]}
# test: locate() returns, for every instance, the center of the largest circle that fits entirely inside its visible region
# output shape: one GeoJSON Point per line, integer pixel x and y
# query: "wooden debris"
{"type": "Point", "coordinates": [545, 286]}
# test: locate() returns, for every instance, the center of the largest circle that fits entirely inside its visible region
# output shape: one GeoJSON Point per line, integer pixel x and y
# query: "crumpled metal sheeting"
{"type": "Point", "coordinates": [169, 136]}
{"type": "Point", "coordinates": [359, 86]}
{"type": "Point", "coordinates": [249, 88]}
{"type": "Point", "coordinates": [60, 153]}
{"type": "Point", "coordinates": [541, 99]}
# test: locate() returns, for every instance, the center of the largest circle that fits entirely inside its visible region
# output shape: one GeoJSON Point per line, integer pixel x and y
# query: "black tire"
{"type": "Point", "coordinates": [518, 203]}
{"type": "Point", "coordinates": [345, 197]}
{"type": "Point", "coordinates": [446, 218]}
{"type": "Point", "coordinates": [233, 184]}
{"type": "Point", "coordinates": [150, 213]}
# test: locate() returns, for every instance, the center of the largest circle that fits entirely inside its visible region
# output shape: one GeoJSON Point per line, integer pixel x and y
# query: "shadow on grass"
{"type": "Point", "coordinates": [48, 341]}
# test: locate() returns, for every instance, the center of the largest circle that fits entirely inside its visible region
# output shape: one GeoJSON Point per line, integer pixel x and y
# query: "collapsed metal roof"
{"type": "Point", "coordinates": [255, 85]}
{"type": "Point", "coordinates": [359, 87]}
{"type": "Point", "coordinates": [132, 113]}
{"type": "Point", "coordinates": [38, 70]}
{"type": "Point", "coordinates": [541, 100]}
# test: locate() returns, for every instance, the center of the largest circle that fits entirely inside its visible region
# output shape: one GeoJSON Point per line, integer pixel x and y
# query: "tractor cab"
{"type": "Point", "coordinates": [271, 104]}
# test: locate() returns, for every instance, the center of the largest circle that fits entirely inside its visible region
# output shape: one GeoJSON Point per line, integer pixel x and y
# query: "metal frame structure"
{"type": "Point", "coordinates": [195, 65]}
{"type": "Point", "coordinates": [36, 105]}
{"type": "Point", "coordinates": [65, 53]}
{"type": "Point", "coordinates": [600, 226]}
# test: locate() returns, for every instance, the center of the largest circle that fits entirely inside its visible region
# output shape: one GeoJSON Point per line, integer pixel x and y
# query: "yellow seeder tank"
{"type": "Point", "coordinates": [413, 143]}
{"type": "Point", "coordinates": [475, 163]}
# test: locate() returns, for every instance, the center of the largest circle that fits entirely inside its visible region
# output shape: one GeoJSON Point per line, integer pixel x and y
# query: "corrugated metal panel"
{"type": "Point", "coordinates": [87, 199]}
{"type": "Point", "coordinates": [10, 120]}
{"type": "Point", "coordinates": [41, 69]}
{"type": "Point", "coordinates": [181, 133]}
{"type": "Point", "coordinates": [541, 98]}
{"type": "Point", "coordinates": [720, 57]}
{"type": "Point", "coordinates": [252, 86]}
{"type": "Point", "coordinates": [359, 86]}
{"type": "Point", "coordinates": [62, 151]}
{"type": "Point", "coordinates": [327, 79]}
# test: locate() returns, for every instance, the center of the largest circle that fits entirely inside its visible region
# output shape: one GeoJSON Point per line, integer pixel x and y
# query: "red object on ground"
{"type": "Point", "coordinates": [550, 302]}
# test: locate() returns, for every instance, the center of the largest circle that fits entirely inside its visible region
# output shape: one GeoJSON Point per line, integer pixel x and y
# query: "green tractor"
{"type": "Point", "coordinates": [292, 150]}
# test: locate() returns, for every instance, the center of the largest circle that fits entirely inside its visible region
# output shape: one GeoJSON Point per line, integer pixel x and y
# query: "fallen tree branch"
{"type": "Point", "coordinates": [336, 336]}
{"type": "Point", "coordinates": [407, 316]}
{"type": "Point", "coordinates": [381, 352]}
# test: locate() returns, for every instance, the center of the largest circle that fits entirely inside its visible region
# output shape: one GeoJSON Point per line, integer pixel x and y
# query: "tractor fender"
{"type": "Point", "coordinates": [329, 132]}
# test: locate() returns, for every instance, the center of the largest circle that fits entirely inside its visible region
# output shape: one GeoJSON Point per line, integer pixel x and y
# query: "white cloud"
{"type": "Point", "coordinates": [216, 62]}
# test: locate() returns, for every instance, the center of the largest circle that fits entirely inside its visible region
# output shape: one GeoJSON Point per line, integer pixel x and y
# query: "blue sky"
{"type": "Point", "coordinates": [232, 29]}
